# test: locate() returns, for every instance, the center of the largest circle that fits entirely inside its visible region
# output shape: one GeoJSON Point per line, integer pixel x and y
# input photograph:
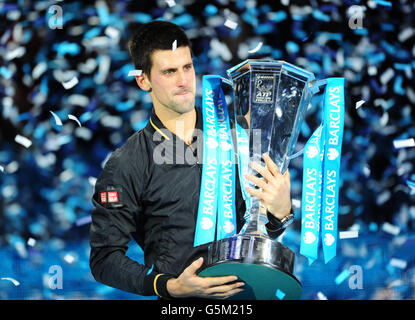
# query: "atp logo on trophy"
{"type": "Point", "coordinates": [264, 88]}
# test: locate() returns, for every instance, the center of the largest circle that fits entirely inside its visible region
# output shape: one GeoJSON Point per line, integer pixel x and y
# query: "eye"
{"type": "Point", "coordinates": [168, 72]}
{"type": "Point", "coordinates": [188, 67]}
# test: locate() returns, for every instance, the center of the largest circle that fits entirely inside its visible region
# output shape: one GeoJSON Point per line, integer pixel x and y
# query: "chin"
{"type": "Point", "coordinates": [184, 108]}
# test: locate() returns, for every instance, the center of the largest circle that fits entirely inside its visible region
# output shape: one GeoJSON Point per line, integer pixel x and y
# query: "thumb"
{"type": "Point", "coordinates": [195, 265]}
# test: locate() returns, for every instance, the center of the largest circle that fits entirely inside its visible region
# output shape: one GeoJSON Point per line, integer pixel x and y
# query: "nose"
{"type": "Point", "coordinates": [181, 79]}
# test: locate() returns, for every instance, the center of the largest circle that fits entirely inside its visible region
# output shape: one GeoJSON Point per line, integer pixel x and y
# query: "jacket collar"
{"type": "Point", "coordinates": [155, 126]}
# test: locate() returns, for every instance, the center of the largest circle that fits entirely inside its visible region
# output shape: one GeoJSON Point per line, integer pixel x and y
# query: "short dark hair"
{"type": "Point", "coordinates": [152, 36]}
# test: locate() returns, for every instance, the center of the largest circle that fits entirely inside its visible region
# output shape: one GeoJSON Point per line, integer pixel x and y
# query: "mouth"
{"type": "Point", "coordinates": [182, 93]}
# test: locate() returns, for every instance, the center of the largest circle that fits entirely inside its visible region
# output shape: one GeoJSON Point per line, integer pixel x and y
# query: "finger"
{"type": "Point", "coordinates": [287, 174]}
{"type": "Point", "coordinates": [224, 288]}
{"type": "Point", "coordinates": [254, 192]}
{"type": "Point", "coordinates": [262, 170]}
{"type": "Point", "coordinates": [272, 167]}
{"type": "Point", "coordinates": [226, 295]}
{"type": "Point", "coordinates": [195, 266]}
{"type": "Point", "coordinates": [218, 281]}
{"type": "Point", "coordinates": [257, 181]}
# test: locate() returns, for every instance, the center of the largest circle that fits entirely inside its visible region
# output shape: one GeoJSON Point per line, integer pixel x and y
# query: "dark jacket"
{"type": "Point", "coordinates": [155, 204]}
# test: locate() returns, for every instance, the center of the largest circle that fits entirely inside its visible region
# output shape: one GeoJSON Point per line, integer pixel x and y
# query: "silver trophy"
{"type": "Point", "coordinates": [271, 98]}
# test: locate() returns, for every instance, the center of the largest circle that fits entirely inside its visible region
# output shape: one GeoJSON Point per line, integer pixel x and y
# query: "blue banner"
{"type": "Point", "coordinates": [311, 195]}
{"type": "Point", "coordinates": [216, 216]}
{"type": "Point", "coordinates": [333, 131]}
{"type": "Point", "coordinates": [207, 211]}
{"type": "Point", "coordinates": [227, 194]}
{"type": "Point", "coordinates": [321, 177]}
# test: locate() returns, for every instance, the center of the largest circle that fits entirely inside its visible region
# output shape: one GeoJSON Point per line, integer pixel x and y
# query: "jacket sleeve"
{"type": "Point", "coordinates": [116, 208]}
{"type": "Point", "coordinates": [273, 226]}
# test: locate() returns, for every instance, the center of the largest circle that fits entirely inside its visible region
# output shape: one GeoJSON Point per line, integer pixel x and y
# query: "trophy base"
{"type": "Point", "coordinates": [265, 266]}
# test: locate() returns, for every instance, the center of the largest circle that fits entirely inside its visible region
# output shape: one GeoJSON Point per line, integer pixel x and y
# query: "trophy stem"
{"type": "Point", "coordinates": [257, 218]}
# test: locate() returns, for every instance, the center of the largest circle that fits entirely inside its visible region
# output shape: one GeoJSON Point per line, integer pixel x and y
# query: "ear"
{"type": "Point", "coordinates": [143, 82]}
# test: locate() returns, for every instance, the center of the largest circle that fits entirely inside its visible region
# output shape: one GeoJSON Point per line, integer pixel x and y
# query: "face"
{"type": "Point", "coordinates": [172, 82]}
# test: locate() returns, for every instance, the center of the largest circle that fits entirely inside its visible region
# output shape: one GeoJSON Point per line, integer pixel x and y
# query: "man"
{"type": "Point", "coordinates": [157, 204]}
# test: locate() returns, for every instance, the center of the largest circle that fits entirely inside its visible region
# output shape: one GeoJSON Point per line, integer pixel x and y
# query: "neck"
{"type": "Point", "coordinates": [181, 124]}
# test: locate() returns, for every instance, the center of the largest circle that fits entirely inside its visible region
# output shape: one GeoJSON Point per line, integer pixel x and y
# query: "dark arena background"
{"type": "Point", "coordinates": [67, 102]}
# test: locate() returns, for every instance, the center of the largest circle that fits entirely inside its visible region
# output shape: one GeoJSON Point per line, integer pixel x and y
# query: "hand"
{"type": "Point", "coordinates": [274, 192]}
{"type": "Point", "coordinates": [188, 284]}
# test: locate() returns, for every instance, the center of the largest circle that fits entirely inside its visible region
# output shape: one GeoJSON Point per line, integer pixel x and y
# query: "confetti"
{"type": "Point", "coordinates": [69, 258]}
{"type": "Point", "coordinates": [231, 24]}
{"type": "Point", "coordinates": [296, 203]}
{"type": "Point", "coordinates": [391, 229]}
{"type": "Point", "coordinates": [58, 121]}
{"type": "Point", "coordinates": [12, 167]}
{"type": "Point", "coordinates": [174, 45]}
{"type": "Point", "coordinates": [171, 3]}
{"type": "Point", "coordinates": [112, 32]}
{"type": "Point", "coordinates": [102, 10]}
{"type": "Point", "coordinates": [72, 117]}
{"type": "Point", "coordinates": [349, 234]}
{"type": "Point", "coordinates": [39, 69]}
{"type": "Point", "coordinates": [398, 263]}
{"type": "Point", "coordinates": [23, 141]}
{"type": "Point", "coordinates": [14, 281]}
{"type": "Point", "coordinates": [31, 242]}
{"type": "Point", "coordinates": [221, 49]}
{"type": "Point", "coordinates": [256, 48]}
{"type": "Point", "coordinates": [134, 73]}
{"type": "Point", "coordinates": [387, 76]}
{"type": "Point", "coordinates": [104, 63]}
{"type": "Point", "coordinates": [5, 72]}
{"type": "Point", "coordinates": [83, 221]}
{"type": "Point", "coordinates": [411, 185]}
{"type": "Point", "coordinates": [92, 181]}
{"type": "Point", "coordinates": [404, 143]}
{"type": "Point", "coordinates": [383, 3]}
{"type": "Point", "coordinates": [78, 99]}
{"type": "Point", "coordinates": [405, 34]}
{"type": "Point", "coordinates": [321, 296]}
{"type": "Point", "coordinates": [359, 103]}
{"type": "Point", "coordinates": [342, 276]}
{"type": "Point", "coordinates": [15, 53]}
{"type": "Point", "coordinates": [280, 294]}
{"type": "Point", "coordinates": [71, 83]}
{"type": "Point", "coordinates": [151, 269]}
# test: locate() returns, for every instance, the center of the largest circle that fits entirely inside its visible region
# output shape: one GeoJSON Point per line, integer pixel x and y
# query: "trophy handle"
{"type": "Point", "coordinates": [227, 81]}
{"type": "Point", "coordinates": [315, 87]}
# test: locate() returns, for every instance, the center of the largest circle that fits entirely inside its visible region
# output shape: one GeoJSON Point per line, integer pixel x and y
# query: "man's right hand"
{"type": "Point", "coordinates": [189, 284]}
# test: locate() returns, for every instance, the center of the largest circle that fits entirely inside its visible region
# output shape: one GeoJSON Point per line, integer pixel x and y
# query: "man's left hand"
{"type": "Point", "coordinates": [274, 192]}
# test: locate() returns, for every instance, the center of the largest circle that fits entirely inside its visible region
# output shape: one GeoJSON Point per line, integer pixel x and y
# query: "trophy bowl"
{"type": "Point", "coordinates": [271, 99]}
{"type": "Point", "coordinates": [265, 265]}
